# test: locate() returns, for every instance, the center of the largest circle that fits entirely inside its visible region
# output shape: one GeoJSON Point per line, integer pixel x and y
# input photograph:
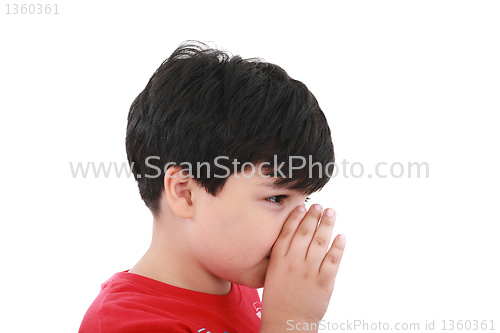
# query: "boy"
{"type": "Point", "coordinates": [225, 152]}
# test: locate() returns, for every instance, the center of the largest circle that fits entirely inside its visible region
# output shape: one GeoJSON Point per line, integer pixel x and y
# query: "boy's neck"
{"type": "Point", "coordinates": [169, 262]}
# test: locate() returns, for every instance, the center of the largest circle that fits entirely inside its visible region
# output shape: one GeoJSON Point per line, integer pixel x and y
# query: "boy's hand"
{"type": "Point", "coordinates": [301, 272]}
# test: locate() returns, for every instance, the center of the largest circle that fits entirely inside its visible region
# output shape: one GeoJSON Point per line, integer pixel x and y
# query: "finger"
{"type": "Point", "coordinates": [319, 245]}
{"type": "Point", "coordinates": [331, 262]}
{"type": "Point", "coordinates": [304, 234]}
{"type": "Point", "coordinates": [282, 244]}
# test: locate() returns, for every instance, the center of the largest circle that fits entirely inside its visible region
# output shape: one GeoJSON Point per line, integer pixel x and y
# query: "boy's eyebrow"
{"type": "Point", "coordinates": [272, 186]}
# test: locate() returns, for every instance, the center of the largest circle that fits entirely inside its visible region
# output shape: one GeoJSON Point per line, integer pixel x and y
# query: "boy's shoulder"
{"type": "Point", "coordinates": [129, 302]}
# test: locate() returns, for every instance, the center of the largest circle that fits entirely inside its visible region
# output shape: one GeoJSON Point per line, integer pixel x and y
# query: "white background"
{"type": "Point", "coordinates": [399, 81]}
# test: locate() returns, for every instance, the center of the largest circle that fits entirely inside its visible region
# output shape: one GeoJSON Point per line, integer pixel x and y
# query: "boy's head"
{"type": "Point", "coordinates": [210, 112]}
{"type": "Point", "coordinates": [243, 122]}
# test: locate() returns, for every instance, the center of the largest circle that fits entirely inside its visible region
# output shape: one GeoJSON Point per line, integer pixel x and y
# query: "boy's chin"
{"type": "Point", "coordinates": [254, 278]}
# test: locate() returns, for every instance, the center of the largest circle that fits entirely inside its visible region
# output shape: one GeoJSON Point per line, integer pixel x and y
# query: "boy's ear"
{"type": "Point", "coordinates": [178, 189]}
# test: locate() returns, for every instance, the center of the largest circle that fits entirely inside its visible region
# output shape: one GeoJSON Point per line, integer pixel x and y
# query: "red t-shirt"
{"type": "Point", "coordinates": [134, 303]}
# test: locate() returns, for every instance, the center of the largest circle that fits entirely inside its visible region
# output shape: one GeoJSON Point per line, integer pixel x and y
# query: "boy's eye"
{"type": "Point", "coordinates": [277, 199]}
{"type": "Point", "coordinates": [307, 199]}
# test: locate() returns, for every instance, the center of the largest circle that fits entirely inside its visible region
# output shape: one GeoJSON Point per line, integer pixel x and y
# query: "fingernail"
{"type": "Point", "coordinates": [301, 209]}
{"type": "Point", "coordinates": [329, 212]}
{"type": "Point", "coordinates": [317, 207]}
{"type": "Point", "coordinates": [341, 238]}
